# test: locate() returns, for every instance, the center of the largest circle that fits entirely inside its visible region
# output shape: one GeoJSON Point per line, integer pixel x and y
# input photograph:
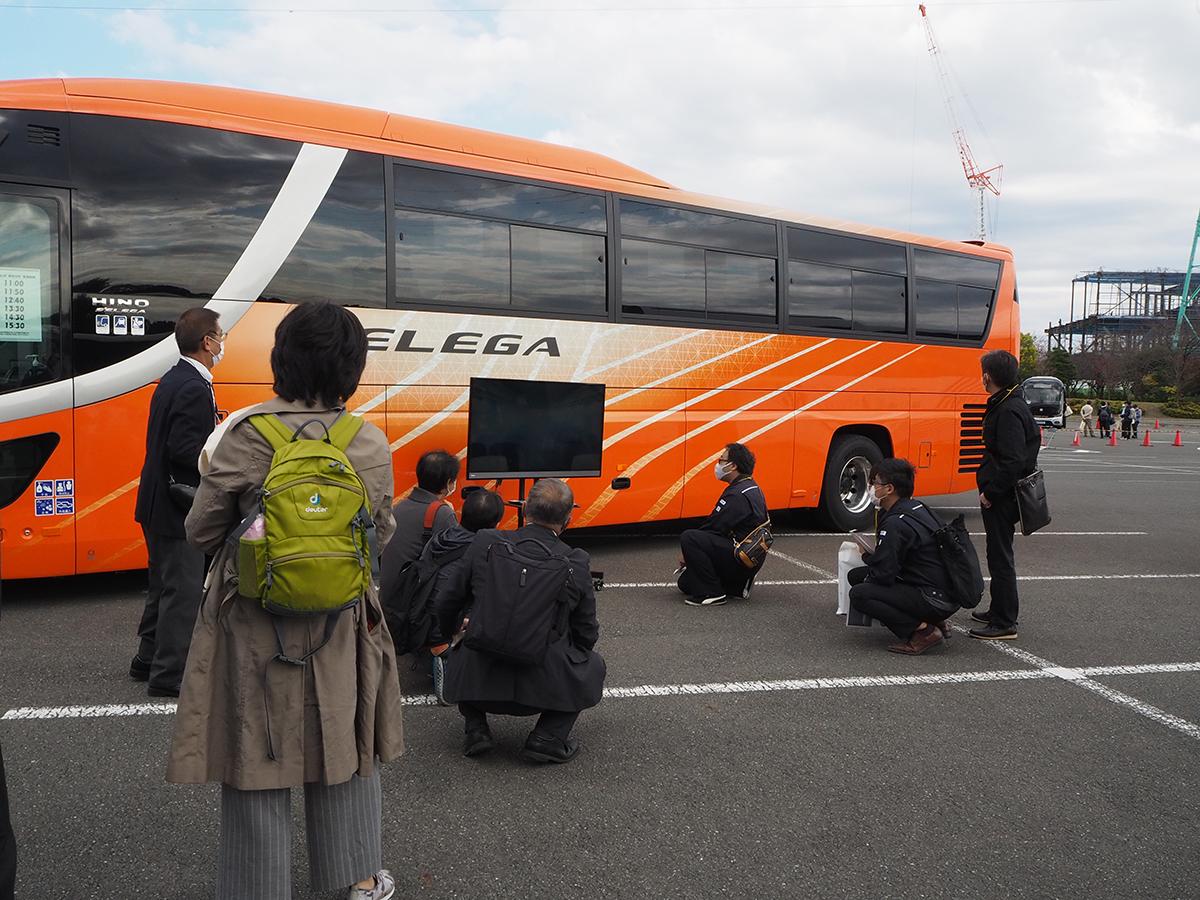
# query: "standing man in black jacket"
{"type": "Point", "coordinates": [183, 413]}
{"type": "Point", "coordinates": [903, 583]}
{"type": "Point", "coordinates": [1010, 448]}
{"type": "Point", "coordinates": [708, 572]}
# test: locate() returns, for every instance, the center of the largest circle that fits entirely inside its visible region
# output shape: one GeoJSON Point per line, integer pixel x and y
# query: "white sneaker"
{"type": "Point", "coordinates": [706, 601]}
{"type": "Point", "coordinates": [384, 888]}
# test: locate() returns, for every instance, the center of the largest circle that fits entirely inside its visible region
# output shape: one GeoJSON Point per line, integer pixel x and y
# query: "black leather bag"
{"type": "Point", "coordinates": [751, 551]}
{"type": "Point", "coordinates": [1031, 503]}
{"type": "Point", "coordinates": [182, 495]}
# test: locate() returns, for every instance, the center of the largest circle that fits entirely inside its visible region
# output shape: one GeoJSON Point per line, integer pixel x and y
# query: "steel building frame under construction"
{"type": "Point", "coordinates": [1119, 310]}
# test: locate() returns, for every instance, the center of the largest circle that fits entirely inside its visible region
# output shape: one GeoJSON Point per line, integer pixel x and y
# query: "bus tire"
{"type": "Point", "coordinates": [844, 505]}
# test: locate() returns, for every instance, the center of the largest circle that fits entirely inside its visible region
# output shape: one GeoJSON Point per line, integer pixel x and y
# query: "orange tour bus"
{"type": "Point", "coordinates": [823, 345]}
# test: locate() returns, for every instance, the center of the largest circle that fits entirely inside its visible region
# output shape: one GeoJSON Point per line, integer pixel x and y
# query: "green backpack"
{"type": "Point", "coordinates": [312, 552]}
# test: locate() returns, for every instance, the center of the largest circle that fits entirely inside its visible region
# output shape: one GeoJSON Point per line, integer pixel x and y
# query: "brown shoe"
{"type": "Point", "coordinates": [920, 641]}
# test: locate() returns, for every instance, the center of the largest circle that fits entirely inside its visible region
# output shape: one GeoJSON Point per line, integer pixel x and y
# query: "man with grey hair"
{"type": "Point", "coordinates": [568, 679]}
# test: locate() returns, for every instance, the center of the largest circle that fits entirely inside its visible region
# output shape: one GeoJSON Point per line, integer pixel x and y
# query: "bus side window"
{"type": "Point", "coordinates": [30, 298]}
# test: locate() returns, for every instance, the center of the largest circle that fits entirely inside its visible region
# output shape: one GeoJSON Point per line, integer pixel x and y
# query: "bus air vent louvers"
{"type": "Point", "coordinates": [970, 437]}
{"type": "Point", "coordinates": [46, 135]}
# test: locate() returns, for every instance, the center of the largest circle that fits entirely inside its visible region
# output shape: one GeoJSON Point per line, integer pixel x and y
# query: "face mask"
{"type": "Point", "coordinates": [720, 470]}
{"type": "Point", "coordinates": [873, 496]}
{"type": "Point", "coordinates": [220, 354]}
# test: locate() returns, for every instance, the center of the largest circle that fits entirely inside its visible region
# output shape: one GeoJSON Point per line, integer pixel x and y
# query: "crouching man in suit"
{"type": "Point", "coordinates": [568, 680]}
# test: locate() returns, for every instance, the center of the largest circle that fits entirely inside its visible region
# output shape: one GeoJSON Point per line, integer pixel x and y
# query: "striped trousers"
{"type": "Point", "coordinates": [343, 829]}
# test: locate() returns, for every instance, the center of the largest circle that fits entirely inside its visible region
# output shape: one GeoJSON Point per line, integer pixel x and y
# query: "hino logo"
{"type": "Point", "coordinates": [471, 342]}
{"type": "Point", "coordinates": [118, 304]}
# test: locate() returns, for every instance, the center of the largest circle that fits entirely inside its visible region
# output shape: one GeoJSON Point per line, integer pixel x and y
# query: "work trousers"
{"type": "Point", "coordinates": [901, 607]}
{"type": "Point", "coordinates": [999, 521]}
{"type": "Point", "coordinates": [549, 724]}
{"type": "Point", "coordinates": [710, 567]}
{"type": "Point", "coordinates": [172, 602]}
{"type": "Point", "coordinates": [342, 825]}
{"type": "Point", "coordinates": [1085, 425]}
{"type": "Point", "coordinates": [8, 842]}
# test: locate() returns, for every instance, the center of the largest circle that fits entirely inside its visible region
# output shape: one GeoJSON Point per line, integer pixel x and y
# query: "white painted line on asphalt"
{"type": "Point", "coordinates": [808, 567]}
{"type": "Point", "coordinates": [1077, 677]}
{"type": "Point", "coordinates": [1042, 670]}
{"type": "Point", "coordinates": [843, 535]}
{"type": "Point", "coordinates": [1125, 576]}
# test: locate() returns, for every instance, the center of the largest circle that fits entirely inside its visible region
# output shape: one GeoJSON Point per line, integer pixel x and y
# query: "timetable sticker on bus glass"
{"type": "Point", "coordinates": [20, 304]}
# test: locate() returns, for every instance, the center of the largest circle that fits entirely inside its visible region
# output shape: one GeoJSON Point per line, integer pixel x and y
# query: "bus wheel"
{"type": "Point", "coordinates": [844, 502]}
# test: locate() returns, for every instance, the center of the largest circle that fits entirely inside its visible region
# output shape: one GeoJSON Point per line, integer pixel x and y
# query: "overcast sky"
{"type": "Point", "coordinates": [830, 108]}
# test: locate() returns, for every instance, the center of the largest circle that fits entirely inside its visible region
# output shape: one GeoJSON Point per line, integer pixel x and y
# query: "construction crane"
{"type": "Point", "coordinates": [979, 180]}
{"type": "Point", "coordinates": [1188, 295]}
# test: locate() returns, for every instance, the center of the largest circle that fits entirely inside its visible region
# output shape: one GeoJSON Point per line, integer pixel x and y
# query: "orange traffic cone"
{"type": "Point", "coordinates": [1075, 443]}
{"type": "Point", "coordinates": [1157, 427]}
{"type": "Point", "coordinates": [1178, 438]}
{"type": "Point", "coordinates": [1042, 435]}
{"type": "Point", "coordinates": [1112, 437]}
{"type": "Point", "coordinates": [1146, 440]}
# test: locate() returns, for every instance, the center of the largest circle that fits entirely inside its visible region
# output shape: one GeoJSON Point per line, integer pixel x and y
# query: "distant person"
{"type": "Point", "coordinates": [1137, 419]}
{"type": "Point", "coordinates": [252, 716]}
{"type": "Point", "coordinates": [1011, 441]}
{"type": "Point", "coordinates": [708, 571]}
{"type": "Point", "coordinates": [1127, 420]}
{"type": "Point", "coordinates": [570, 676]}
{"type": "Point", "coordinates": [903, 582]}
{"type": "Point", "coordinates": [425, 512]}
{"type": "Point", "coordinates": [183, 413]}
{"type": "Point", "coordinates": [1105, 419]}
{"type": "Point", "coordinates": [1085, 420]}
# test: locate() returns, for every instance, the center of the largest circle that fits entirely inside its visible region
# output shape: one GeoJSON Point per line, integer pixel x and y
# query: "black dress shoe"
{"type": "Point", "coordinates": [138, 670]}
{"type": "Point", "coordinates": [985, 617]}
{"type": "Point", "coordinates": [477, 742]}
{"type": "Point", "coordinates": [549, 750]}
{"type": "Point", "coordinates": [993, 633]}
{"type": "Point", "coordinates": [153, 691]}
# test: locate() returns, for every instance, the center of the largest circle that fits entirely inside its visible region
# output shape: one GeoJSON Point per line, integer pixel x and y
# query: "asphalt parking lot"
{"type": "Point", "coordinates": [760, 749]}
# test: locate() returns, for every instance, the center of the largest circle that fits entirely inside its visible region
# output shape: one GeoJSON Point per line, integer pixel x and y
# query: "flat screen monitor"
{"type": "Point", "coordinates": [534, 429]}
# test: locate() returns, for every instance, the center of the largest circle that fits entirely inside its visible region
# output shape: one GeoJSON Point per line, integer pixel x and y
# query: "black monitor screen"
{"type": "Point", "coordinates": [534, 429]}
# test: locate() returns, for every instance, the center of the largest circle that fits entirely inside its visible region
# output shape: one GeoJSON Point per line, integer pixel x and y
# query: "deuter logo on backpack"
{"type": "Point", "coordinates": [314, 504]}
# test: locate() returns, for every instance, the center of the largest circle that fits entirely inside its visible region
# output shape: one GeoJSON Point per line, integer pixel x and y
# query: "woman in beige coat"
{"type": "Point", "coordinates": [260, 726]}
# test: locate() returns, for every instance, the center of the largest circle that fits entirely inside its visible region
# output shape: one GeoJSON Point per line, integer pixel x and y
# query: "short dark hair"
{"type": "Point", "coordinates": [550, 502]}
{"type": "Point", "coordinates": [1002, 367]}
{"type": "Point", "coordinates": [482, 509]}
{"type": "Point", "coordinates": [899, 473]}
{"type": "Point", "coordinates": [436, 469]}
{"type": "Point", "coordinates": [193, 326]}
{"type": "Point", "coordinates": [319, 355]}
{"type": "Point", "coordinates": [741, 457]}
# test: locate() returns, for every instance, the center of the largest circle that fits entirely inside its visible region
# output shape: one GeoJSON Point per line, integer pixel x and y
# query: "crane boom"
{"type": "Point", "coordinates": [979, 180]}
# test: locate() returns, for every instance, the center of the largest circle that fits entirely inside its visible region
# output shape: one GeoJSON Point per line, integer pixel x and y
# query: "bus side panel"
{"type": "Point", "coordinates": [933, 449]}
{"type": "Point", "coordinates": [650, 455]}
{"type": "Point", "coordinates": [773, 448]}
{"type": "Point", "coordinates": [37, 530]}
{"type": "Point", "coordinates": [883, 417]}
{"type": "Point", "coordinates": [112, 442]}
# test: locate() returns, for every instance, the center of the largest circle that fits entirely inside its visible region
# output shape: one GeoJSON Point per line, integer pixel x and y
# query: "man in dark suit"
{"type": "Point", "coordinates": [570, 678]}
{"type": "Point", "coordinates": [1011, 440]}
{"type": "Point", "coordinates": [183, 413]}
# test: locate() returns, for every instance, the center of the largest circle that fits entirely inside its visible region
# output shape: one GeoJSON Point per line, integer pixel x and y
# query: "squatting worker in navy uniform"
{"type": "Point", "coordinates": [709, 573]}
{"type": "Point", "coordinates": [903, 583]}
{"type": "Point", "coordinates": [1011, 440]}
{"type": "Point", "coordinates": [183, 413]}
{"type": "Point", "coordinates": [571, 677]}
{"type": "Point", "coordinates": [260, 728]}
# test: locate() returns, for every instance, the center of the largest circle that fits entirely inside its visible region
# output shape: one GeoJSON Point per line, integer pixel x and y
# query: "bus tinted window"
{"type": "Point", "coordinates": [30, 323]}
{"type": "Point", "coordinates": [685, 226]}
{"type": "Point", "coordinates": [841, 250]}
{"type": "Point", "coordinates": [558, 270]}
{"type": "Point", "coordinates": [341, 255]}
{"type": "Point", "coordinates": [433, 189]}
{"type": "Point", "coordinates": [974, 304]}
{"type": "Point", "coordinates": [449, 259]}
{"type": "Point", "coordinates": [739, 288]}
{"type": "Point", "coordinates": [956, 268]}
{"type": "Point", "coordinates": [660, 279]}
{"type": "Point", "coordinates": [879, 303]}
{"type": "Point", "coordinates": [818, 296]}
{"type": "Point", "coordinates": [937, 309]}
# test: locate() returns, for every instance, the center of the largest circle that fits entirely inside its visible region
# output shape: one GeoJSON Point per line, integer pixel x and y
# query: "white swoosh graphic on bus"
{"type": "Point", "coordinates": [674, 489]}
{"type": "Point", "coordinates": [692, 368]}
{"type": "Point", "coordinates": [302, 191]}
{"type": "Point", "coordinates": [608, 493]}
{"type": "Point", "coordinates": [631, 357]}
{"type": "Point", "coordinates": [659, 416]}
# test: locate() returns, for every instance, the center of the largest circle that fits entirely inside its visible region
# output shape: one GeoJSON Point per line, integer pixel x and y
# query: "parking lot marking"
{"type": "Point", "coordinates": [809, 567]}
{"type": "Point", "coordinates": [1078, 677]}
{"type": "Point", "coordinates": [787, 582]}
{"type": "Point", "coordinates": [1040, 670]}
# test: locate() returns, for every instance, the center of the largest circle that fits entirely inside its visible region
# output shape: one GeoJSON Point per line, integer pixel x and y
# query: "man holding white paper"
{"type": "Point", "coordinates": [903, 583]}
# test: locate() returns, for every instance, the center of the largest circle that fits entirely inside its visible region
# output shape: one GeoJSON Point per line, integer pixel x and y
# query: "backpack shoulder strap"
{"type": "Point", "coordinates": [272, 428]}
{"type": "Point", "coordinates": [344, 430]}
{"type": "Point", "coordinates": [431, 512]}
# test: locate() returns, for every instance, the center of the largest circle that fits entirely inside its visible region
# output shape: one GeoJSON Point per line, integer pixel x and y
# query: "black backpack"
{"type": "Point", "coordinates": [964, 578]}
{"type": "Point", "coordinates": [406, 607]}
{"type": "Point", "coordinates": [524, 604]}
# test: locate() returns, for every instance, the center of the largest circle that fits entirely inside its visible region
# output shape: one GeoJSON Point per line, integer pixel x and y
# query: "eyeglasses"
{"type": "Point", "coordinates": [218, 335]}
{"type": "Point", "coordinates": [881, 483]}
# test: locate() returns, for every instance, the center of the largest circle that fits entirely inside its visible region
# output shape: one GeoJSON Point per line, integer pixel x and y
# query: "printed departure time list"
{"type": "Point", "coordinates": [20, 304]}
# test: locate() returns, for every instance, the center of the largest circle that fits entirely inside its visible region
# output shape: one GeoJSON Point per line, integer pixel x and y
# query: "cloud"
{"type": "Point", "coordinates": [831, 111]}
